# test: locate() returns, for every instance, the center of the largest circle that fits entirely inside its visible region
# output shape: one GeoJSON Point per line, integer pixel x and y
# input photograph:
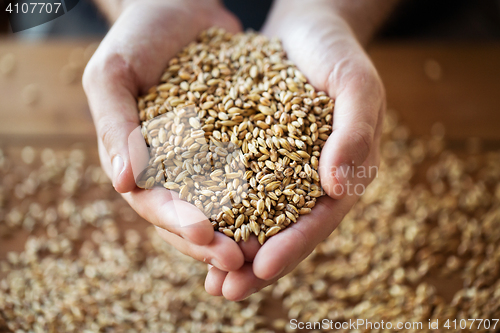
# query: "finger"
{"type": "Point", "coordinates": [240, 284]}
{"type": "Point", "coordinates": [104, 158]}
{"type": "Point", "coordinates": [139, 156]}
{"type": "Point", "coordinates": [110, 90]}
{"type": "Point", "coordinates": [356, 115]}
{"type": "Point", "coordinates": [163, 209]}
{"type": "Point", "coordinates": [296, 242]}
{"type": "Point", "coordinates": [249, 248]}
{"type": "Point", "coordinates": [214, 281]}
{"type": "Point", "coordinates": [222, 252]}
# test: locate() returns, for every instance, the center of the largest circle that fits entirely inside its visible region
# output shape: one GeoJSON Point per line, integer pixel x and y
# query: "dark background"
{"type": "Point", "coordinates": [413, 19]}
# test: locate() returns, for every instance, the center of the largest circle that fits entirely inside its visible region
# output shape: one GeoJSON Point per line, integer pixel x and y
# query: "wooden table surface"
{"type": "Point", "coordinates": [456, 85]}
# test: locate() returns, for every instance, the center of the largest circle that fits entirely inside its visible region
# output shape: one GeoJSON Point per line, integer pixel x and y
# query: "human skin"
{"type": "Point", "coordinates": [324, 38]}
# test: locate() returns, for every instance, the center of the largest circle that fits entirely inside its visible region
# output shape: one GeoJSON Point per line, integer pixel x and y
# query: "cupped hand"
{"type": "Point", "coordinates": [130, 60]}
{"type": "Point", "coordinates": [325, 48]}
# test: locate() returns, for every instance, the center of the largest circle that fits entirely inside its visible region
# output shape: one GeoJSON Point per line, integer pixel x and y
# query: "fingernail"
{"type": "Point", "coordinates": [117, 167]}
{"type": "Point", "coordinates": [215, 263]}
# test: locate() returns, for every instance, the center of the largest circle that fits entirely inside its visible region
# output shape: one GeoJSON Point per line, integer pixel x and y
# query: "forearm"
{"type": "Point", "coordinates": [112, 9]}
{"type": "Point", "coordinates": [364, 17]}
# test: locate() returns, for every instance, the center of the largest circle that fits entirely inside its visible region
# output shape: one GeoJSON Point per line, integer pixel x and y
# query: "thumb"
{"type": "Point", "coordinates": [357, 109]}
{"type": "Point", "coordinates": [115, 116]}
{"type": "Point", "coordinates": [323, 46]}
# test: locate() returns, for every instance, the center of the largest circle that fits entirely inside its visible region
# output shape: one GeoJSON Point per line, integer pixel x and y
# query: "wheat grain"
{"type": "Point", "coordinates": [235, 127]}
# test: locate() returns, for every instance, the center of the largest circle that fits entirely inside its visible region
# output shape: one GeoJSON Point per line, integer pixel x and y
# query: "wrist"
{"type": "Point", "coordinates": [365, 17]}
{"type": "Point", "coordinates": [112, 9]}
{"type": "Point", "coordinates": [362, 17]}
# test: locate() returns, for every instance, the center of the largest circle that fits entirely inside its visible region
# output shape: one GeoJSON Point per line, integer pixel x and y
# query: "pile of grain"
{"type": "Point", "coordinates": [236, 129]}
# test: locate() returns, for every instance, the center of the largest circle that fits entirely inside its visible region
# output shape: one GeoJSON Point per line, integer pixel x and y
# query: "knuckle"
{"type": "Point", "coordinates": [367, 77]}
{"type": "Point", "coordinates": [359, 79]}
{"type": "Point", "coordinates": [105, 67]}
{"type": "Point", "coordinates": [116, 66]}
{"type": "Point", "coordinates": [113, 132]}
{"type": "Point", "coordinates": [108, 131]}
